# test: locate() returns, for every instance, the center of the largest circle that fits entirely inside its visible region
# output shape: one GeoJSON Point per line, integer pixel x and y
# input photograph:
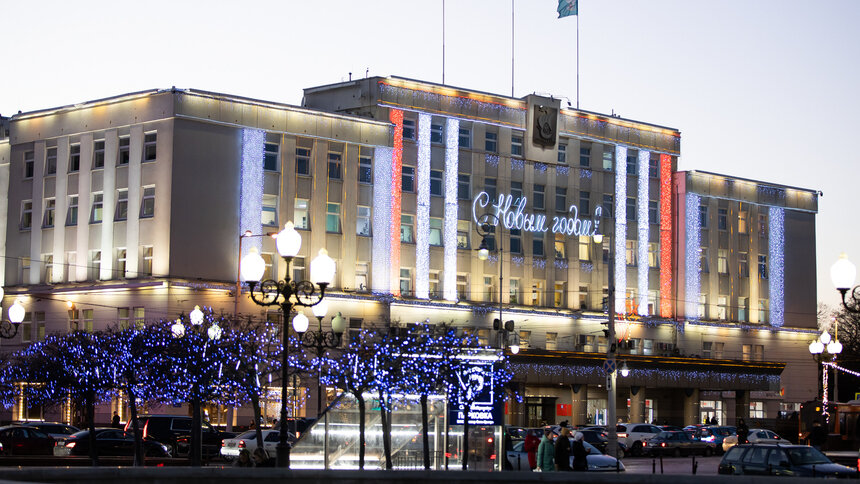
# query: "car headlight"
{"type": "Point", "coordinates": [164, 448]}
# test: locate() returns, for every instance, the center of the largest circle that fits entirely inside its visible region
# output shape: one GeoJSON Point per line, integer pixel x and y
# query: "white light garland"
{"type": "Point", "coordinates": [642, 230]}
{"type": "Point", "coordinates": [776, 275]}
{"type": "Point", "coordinates": [251, 190]}
{"type": "Point", "coordinates": [691, 257]}
{"type": "Point", "coordinates": [452, 163]}
{"type": "Point", "coordinates": [380, 277]}
{"type": "Point", "coordinates": [620, 229]}
{"type": "Point", "coordinates": [422, 232]}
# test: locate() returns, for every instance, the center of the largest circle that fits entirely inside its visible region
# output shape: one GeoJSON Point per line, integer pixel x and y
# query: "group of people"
{"type": "Point", "coordinates": [548, 455]}
{"type": "Point", "coordinates": [257, 459]}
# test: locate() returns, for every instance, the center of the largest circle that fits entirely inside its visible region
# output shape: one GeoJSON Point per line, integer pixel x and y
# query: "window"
{"type": "Point", "coordinates": [537, 244]}
{"type": "Point", "coordinates": [654, 167]}
{"type": "Point", "coordinates": [435, 231]}
{"type": "Point", "coordinates": [516, 145]}
{"type": "Point", "coordinates": [583, 297]}
{"type": "Point", "coordinates": [608, 157]}
{"type": "Point", "coordinates": [435, 293]}
{"type": "Point", "coordinates": [436, 133]}
{"type": "Point", "coordinates": [537, 292]}
{"type": "Point", "coordinates": [558, 245]}
{"type": "Point", "coordinates": [87, 320]}
{"type": "Point", "coordinates": [362, 225]}
{"type": "Point", "coordinates": [558, 295]}
{"type": "Point", "coordinates": [123, 316]}
{"type": "Point", "coordinates": [742, 221]}
{"type": "Point", "coordinates": [585, 156]}
{"type": "Point", "coordinates": [51, 161]}
{"type": "Point", "coordinates": [757, 410]}
{"type": "Point", "coordinates": [72, 211]}
{"type": "Point", "coordinates": [146, 266]}
{"type": "Point", "coordinates": [647, 346]}
{"type": "Point", "coordinates": [270, 156]}
{"type": "Point", "coordinates": [98, 154]}
{"type": "Point", "coordinates": [605, 251]}
{"type": "Point", "coordinates": [703, 216]}
{"type": "Point", "coordinates": [121, 204]}
{"type": "Point", "coordinates": [121, 257]}
{"type": "Point", "coordinates": [365, 167]}
{"type": "Point", "coordinates": [50, 207]}
{"type": "Point", "coordinates": [491, 141]}
{"type": "Point", "coordinates": [561, 199]}
{"type": "Point", "coordinates": [26, 215]}
{"type": "Point", "coordinates": [269, 214]}
{"type": "Point", "coordinates": [303, 161]}
{"type": "Point", "coordinates": [514, 290]}
{"type": "Point", "coordinates": [538, 194]}
{"type": "Point", "coordinates": [463, 287]}
{"type": "Point", "coordinates": [334, 166]}
{"type": "Point", "coordinates": [489, 290]}
{"type": "Point", "coordinates": [723, 261]}
{"type": "Point", "coordinates": [516, 191]}
{"type": "Point", "coordinates": [139, 317]}
{"type": "Point", "coordinates": [301, 218]}
{"type": "Point", "coordinates": [147, 202]}
{"type": "Point", "coordinates": [762, 311]}
{"type": "Point", "coordinates": [436, 182]}
{"type": "Point", "coordinates": [722, 219]}
{"type": "Point", "coordinates": [39, 325]}
{"type": "Point", "coordinates": [95, 265]}
{"type": "Point", "coordinates": [408, 129]}
{"type": "Point", "coordinates": [74, 158]}
{"type": "Point", "coordinates": [631, 209]}
{"type": "Point", "coordinates": [408, 178]}
{"type": "Point", "coordinates": [630, 252]}
{"type": "Point", "coordinates": [407, 228]}
{"type": "Point", "coordinates": [48, 266]}
{"type": "Point", "coordinates": [632, 164]}
{"type": "Point", "coordinates": [584, 248]}
{"type": "Point", "coordinates": [149, 144]}
{"type": "Point", "coordinates": [753, 352]}
{"type": "Point", "coordinates": [743, 264]}
{"type": "Point", "coordinates": [463, 190]}
{"type": "Point", "coordinates": [762, 225]}
{"type": "Point", "coordinates": [525, 336]}
{"type": "Point", "coordinates": [652, 212]}
{"type": "Point", "coordinates": [361, 277]}
{"type": "Point", "coordinates": [707, 348]}
{"type": "Point", "coordinates": [405, 281]}
{"type": "Point", "coordinates": [463, 230]}
{"type": "Point", "coordinates": [762, 266]}
{"type": "Point", "coordinates": [516, 242]}
{"type": "Point", "coordinates": [298, 267]}
{"type": "Point", "coordinates": [29, 163]}
{"type": "Point", "coordinates": [607, 206]}
{"type": "Point", "coordinates": [490, 188]}
{"type": "Point", "coordinates": [722, 307]}
{"type": "Point", "coordinates": [552, 341]}
{"type": "Point", "coordinates": [703, 260]}
{"type": "Point", "coordinates": [584, 203]}
{"type": "Point", "coordinates": [653, 255]}
{"type": "Point", "coordinates": [562, 153]}
{"type": "Point", "coordinates": [332, 218]}
{"type": "Point", "coordinates": [465, 140]}
{"type": "Point", "coordinates": [742, 309]}
{"type": "Point", "coordinates": [483, 336]}
{"type": "Point", "coordinates": [27, 327]}
{"type": "Point", "coordinates": [123, 153]}
{"type": "Point", "coordinates": [703, 306]}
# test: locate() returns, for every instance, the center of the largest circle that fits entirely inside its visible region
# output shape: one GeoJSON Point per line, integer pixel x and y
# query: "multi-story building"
{"type": "Point", "coordinates": [130, 208]}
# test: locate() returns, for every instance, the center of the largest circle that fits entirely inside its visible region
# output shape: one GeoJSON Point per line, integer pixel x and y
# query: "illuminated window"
{"type": "Point", "coordinates": [722, 307]}
{"type": "Point", "coordinates": [435, 231]}
{"type": "Point", "coordinates": [762, 266]}
{"type": "Point", "coordinates": [29, 163]}
{"type": "Point", "coordinates": [703, 306]}
{"type": "Point", "coordinates": [408, 178]}
{"type": "Point", "coordinates": [436, 133]}
{"type": "Point", "coordinates": [435, 293]}
{"type": "Point", "coordinates": [491, 142]}
{"type": "Point", "coordinates": [653, 254]}
{"type": "Point", "coordinates": [365, 167]}
{"type": "Point", "coordinates": [743, 264]}
{"type": "Point", "coordinates": [123, 152]}
{"type": "Point", "coordinates": [489, 289]}
{"type": "Point", "coordinates": [703, 260]}
{"type": "Point", "coordinates": [74, 158]}
{"type": "Point", "coordinates": [407, 228]}
{"type": "Point", "coordinates": [26, 214]}
{"type": "Point", "coordinates": [537, 292]}
{"type": "Point", "coordinates": [139, 317]}
{"type": "Point", "coordinates": [762, 225]}
{"type": "Point", "coordinates": [608, 157]}
{"type": "Point", "coordinates": [630, 252]}
{"type": "Point", "coordinates": [72, 211]}
{"type": "Point", "coordinates": [483, 335]}
{"type": "Point", "coordinates": [722, 219]}
{"type": "Point", "coordinates": [436, 182]}
{"type": "Point", "coordinates": [98, 154]}
{"type": "Point", "coordinates": [703, 216]}
{"type": "Point", "coordinates": [363, 221]}
{"type": "Point", "coordinates": [121, 212]}
{"type": "Point", "coordinates": [95, 265]}
{"type": "Point", "coordinates": [51, 161]}
{"type": "Point", "coordinates": [584, 248]}
{"type": "Point", "coordinates": [558, 295]}
{"type": "Point", "coordinates": [334, 166]}
{"type": "Point", "coordinates": [269, 215]}
{"type": "Point", "coordinates": [146, 259]}
{"type": "Point", "coordinates": [332, 218]}
{"type": "Point", "coordinates": [303, 161]}
{"type": "Point", "coordinates": [516, 145]}
{"type": "Point", "coordinates": [552, 341]}
{"type": "Point", "coordinates": [537, 244]}
{"type": "Point", "coordinates": [465, 140]}
{"type": "Point", "coordinates": [48, 218]}
{"type": "Point", "coordinates": [463, 233]}
{"type": "Point", "coordinates": [742, 309]}
{"type": "Point", "coordinates": [647, 346]}
{"type": "Point", "coordinates": [762, 311]}
{"type": "Point", "coordinates": [757, 410]}
{"type": "Point", "coordinates": [514, 290]}
{"type": "Point", "coordinates": [742, 220]}
{"type": "Point", "coordinates": [149, 145]}
{"type": "Point", "coordinates": [120, 262]}
{"type": "Point", "coordinates": [585, 156]}
{"type": "Point", "coordinates": [561, 199]}
{"type": "Point", "coordinates": [408, 128]}
{"type": "Point", "coordinates": [405, 282]}
{"type": "Point", "coordinates": [560, 252]}
{"type": "Point", "coordinates": [723, 261]}
{"type": "Point", "coordinates": [361, 282]}
{"type": "Point", "coordinates": [301, 218]}
{"type": "Point", "coordinates": [525, 338]}
{"type": "Point", "coordinates": [147, 203]}
{"type": "Point", "coordinates": [538, 195]}
{"type": "Point", "coordinates": [87, 320]}
{"type": "Point", "coordinates": [123, 316]}
{"type": "Point", "coordinates": [463, 190]}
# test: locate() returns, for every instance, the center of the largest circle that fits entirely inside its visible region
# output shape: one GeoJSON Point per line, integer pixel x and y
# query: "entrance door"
{"type": "Point", "coordinates": [540, 411]}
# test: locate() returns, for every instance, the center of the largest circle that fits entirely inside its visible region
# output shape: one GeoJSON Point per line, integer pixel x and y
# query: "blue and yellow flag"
{"type": "Point", "coordinates": [568, 7]}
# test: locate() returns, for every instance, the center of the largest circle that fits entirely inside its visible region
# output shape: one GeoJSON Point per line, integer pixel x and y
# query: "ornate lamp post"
{"type": "Point", "coordinates": [843, 273]}
{"type": "Point", "coordinates": [319, 340]}
{"type": "Point", "coordinates": [611, 377]}
{"type": "Point", "coordinates": [486, 229]}
{"type": "Point", "coordinates": [286, 294]}
{"type": "Point", "coordinates": [9, 328]}
{"type": "Point", "coordinates": [825, 350]}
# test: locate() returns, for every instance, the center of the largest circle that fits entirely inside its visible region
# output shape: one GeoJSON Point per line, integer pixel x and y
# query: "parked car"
{"type": "Point", "coordinates": [635, 435]}
{"type": "Point", "coordinates": [59, 431]}
{"type": "Point", "coordinates": [677, 444]}
{"type": "Point", "coordinates": [109, 442]}
{"type": "Point", "coordinates": [174, 431]}
{"type": "Point", "coordinates": [599, 440]}
{"type": "Point", "coordinates": [597, 461]}
{"type": "Point", "coordinates": [781, 460]}
{"type": "Point", "coordinates": [756, 436]}
{"type": "Point", "coordinates": [21, 440]}
{"type": "Point", "coordinates": [717, 434]}
{"type": "Point", "coordinates": [230, 448]}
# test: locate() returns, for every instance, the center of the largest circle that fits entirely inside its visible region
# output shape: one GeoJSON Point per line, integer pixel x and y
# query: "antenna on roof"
{"type": "Point", "coordinates": [367, 73]}
{"type": "Point", "coordinates": [350, 76]}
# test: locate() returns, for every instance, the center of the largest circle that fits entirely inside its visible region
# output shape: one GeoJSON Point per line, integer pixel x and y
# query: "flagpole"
{"type": "Point", "coordinates": [577, 56]}
{"type": "Point", "coordinates": [443, 42]}
{"type": "Point", "coordinates": [512, 48]}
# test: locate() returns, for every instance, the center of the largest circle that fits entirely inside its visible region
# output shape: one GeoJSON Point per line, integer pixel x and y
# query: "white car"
{"type": "Point", "coordinates": [597, 461]}
{"type": "Point", "coordinates": [636, 435]}
{"type": "Point", "coordinates": [230, 448]}
{"type": "Point", "coordinates": [756, 436]}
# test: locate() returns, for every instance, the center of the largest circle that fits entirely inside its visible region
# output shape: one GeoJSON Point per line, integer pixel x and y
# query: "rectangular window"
{"type": "Point", "coordinates": [270, 156]}
{"type": "Point", "coordinates": [631, 209]}
{"type": "Point", "coordinates": [269, 214]}
{"type": "Point", "coordinates": [743, 310]}
{"type": "Point", "coordinates": [48, 217]}
{"type": "Point", "coordinates": [722, 307]}
{"type": "Point", "coordinates": [74, 158]}
{"type": "Point", "coordinates": [762, 225]}
{"type": "Point", "coordinates": [26, 215]}
{"type": "Point", "coordinates": [361, 277]}
{"type": "Point", "coordinates": [647, 346]}
{"type": "Point", "coordinates": [704, 260]}
{"type": "Point", "coordinates": [408, 178]}
{"type": "Point", "coordinates": [652, 212]}
{"type": "Point", "coordinates": [149, 145]}
{"type": "Point", "coordinates": [525, 336]}
{"type": "Point", "coordinates": [583, 297]}
{"type": "Point", "coordinates": [654, 167]}
{"type": "Point", "coordinates": [516, 145]}
{"type": "Point", "coordinates": [465, 140]}
{"type": "Point", "coordinates": [605, 250]}
{"type": "Point", "coordinates": [123, 316]}
{"type": "Point", "coordinates": [490, 188]}
{"type": "Point", "coordinates": [722, 219]}
{"type": "Point", "coordinates": [653, 255]}
{"type": "Point", "coordinates": [762, 266]}
{"type": "Point", "coordinates": [703, 216]}
{"type": "Point", "coordinates": [334, 166]}
{"type": "Point", "coordinates": [121, 204]}
{"type": "Point", "coordinates": [51, 161]}
{"type": "Point", "coordinates": [723, 261]}
{"type": "Point", "coordinates": [537, 244]}
{"type": "Point", "coordinates": [72, 211]}
{"type": "Point", "coordinates": [489, 290]}
{"type": "Point", "coordinates": [408, 129]}
{"type": "Point", "coordinates": [516, 242]}
{"type": "Point", "coordinates": [559, 247]}
{"type": "Point", "coordinates": [463, 287]}
{"type": "Point", "coordinates": [98, 154]}
{"type": "Point", "coordinates": [405, 282]}
{"type": "Point", "coordinates": [121, 257]}
{"type": "Point", "coordinates": [552, 341]}
{"type": "Point", "coordinates": [435, 231]}
{"type": "Point", "coordinates": [303, 161]}
{"type": "Point", "coordinates": [27, 327]}
{"type": "Point", "coordinates": [435, 293]}
{"type": "Point", "coordinates": [584, 203]}
{"type": "Point", "coordinates": [561, 199]}
{"type": "Point", "coordinates": [742, 221]}
{"type": "Point", "coordinates": [29, 163]}
{"type": "Point", "coordinates": [146, 266]}
{"type": "Point", "coordinates": [743, 264]}
{"type": "Point", "coordinates": [516, 191]}
{"type": "Point", "coordinates": [707, 348]}
{"type": "Point", "coordinates": [147, 202]}
{"type": "Point", "coordinates": [562, 153]}
{"type": "Point", "coordinates": [436, 133]}
{"type": "Point", "coordinates": [607, 206]}
{"type": "Point", "coordinates": [491, 142]}
{"type": "Point", "coordinates": [608, 157]}
{"type": "Point", "coordinates": [537, 292]}
{"type": "Point", "coordinates": [514, 290]}
{"type": "Point", "coordinates": [48, 266]}
{"type": "Point", "coordinates": [757, 410]}
{"type": "Point", "coordinates": [463, 190]}
{"type": "Point", "coordinates": [298, 267]}
{"type": "Point", "coordinates": [124, 150]}
{"type": "Point", "coordinates": [632, 164]}
{"type": "Point", "coordinates": [39, 325]}
{"type": "Point", "coordinates": [95, 265]}
{"type": "Point", "coordinates": [703, 306]}
{"type": "Point", "coordinates": [436, 182]}
{"type": "Point", "coordinates": [332, 218]}
{"type": "Point", "coordinates": [584, 248]}
{"type": "Point", "coordinates": [365, 167]}
{"type": "Point", "coordinates": [630, 252]}
{"type": "Point", "coordinates": [407, 228]}
{"type": "Point", "coordinates": [139, 317]}
{"type": "Point", "coordinates": [558, 295]}
{"type": "Point", "coordinates": [585, 156]}
{"type": "Point", "coordinates": [538, 194]}
{"type": "Point", "coordinates": [301, 217]}
{"type": "Point", "coordinates": [362, 225]}
{"type": "Point", "coordinates": [464, 229]}
{"type": "Point", "coordinates": [87, 320]}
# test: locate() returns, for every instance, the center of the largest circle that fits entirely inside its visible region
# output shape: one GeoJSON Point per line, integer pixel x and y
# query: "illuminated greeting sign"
{"type": "Point", "coordinates": [511, 213]}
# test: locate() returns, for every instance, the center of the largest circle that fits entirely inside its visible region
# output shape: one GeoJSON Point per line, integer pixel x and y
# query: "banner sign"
{"type": "Point", "coordinates": [511, 213]}
{"type": "Point", "coordinates": [476, 381]}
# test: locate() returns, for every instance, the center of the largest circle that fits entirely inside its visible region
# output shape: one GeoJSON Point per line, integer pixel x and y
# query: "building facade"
{"type": "Point", "coordinates": [130, 208]}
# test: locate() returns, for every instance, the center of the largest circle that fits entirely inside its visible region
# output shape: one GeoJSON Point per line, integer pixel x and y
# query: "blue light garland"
{"type": "Point", "coordinates": [776, 275]}
{"type": "Point", "coordinates": [691, 256]}
{"type": "Point", "coordinates": [380, 280]}
{"type": "Point", "coordinates": [620, 229]}
{"type": "Point", "coordinates": [251, 187]}
{"type": "Point", "coordinates": [422, 232]}
{"type": "Point", "coordinates": [491, 159]}
{"type": "Point", "coordinates": [452, 163]}
{"type": "Point", "coordinates": [643, 226]}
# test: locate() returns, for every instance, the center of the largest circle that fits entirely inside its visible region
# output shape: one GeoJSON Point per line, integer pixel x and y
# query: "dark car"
{"type": "Point", "coordinates": [111, 442]}
{"type": "Point", "coordinates": [781, 460]}
{"type": "Point", "coordinates": [599, 440]}
{"type": "Point", "coordinates": [716, 434]}
{"type": "Point", "coordinates": [21, 440]}
{"type": "Point", "coordinates": [174, 431]}
{"type": "Point", "coordinates": [677, 444]}
{"type": "Point", "coordinates": [59, 431]}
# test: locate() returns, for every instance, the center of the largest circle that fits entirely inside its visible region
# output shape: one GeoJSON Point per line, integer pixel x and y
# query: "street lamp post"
{"type": "Point", "coordinates": [486, 228]}
{"type": "Point", "coordinates": [9, 328]}
{"type": "Point", "coordinates": [825, 350]}
{"type": "Point", "coordinates": [320, 340]}
{"type": "Point", "coordinates": [611, 391]}
{"type": "Point", "coordinates": [286, 294]}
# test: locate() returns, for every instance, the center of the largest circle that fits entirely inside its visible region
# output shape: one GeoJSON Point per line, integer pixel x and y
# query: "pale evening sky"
{"type": "Point", "coordinates": [766, 90]}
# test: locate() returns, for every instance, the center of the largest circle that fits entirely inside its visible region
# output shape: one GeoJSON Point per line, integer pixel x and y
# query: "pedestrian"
{"type": "Point", "coordinates": [818, 436]}
{"type": "Point", "coordinates": [275, 423]}
{"type": "Point", "coordinates": [530, 445]}
{"type": "Point", "coordinates": [580, 454]}
{"type": "Point", "coordinates": [244, 459]}
{"type": "Point", "coordinates": [562, 451]}
{"type": "Point", "coordinates": [546, 452]}
{"type": "Point", "coordinates": [743, 431]}
{"type": "Point", "coordinates": [261, 459]}
{"type": "Point", "coordinates": [115, 421]}
{"type": "Point", "coordinates": [714, 420]}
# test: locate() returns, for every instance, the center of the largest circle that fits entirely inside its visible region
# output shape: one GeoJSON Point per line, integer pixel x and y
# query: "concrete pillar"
{"type": "Point", "coordinates": [691, 406]}
{"type": "Point", "coordinates": [516, 410]}
{"type": "Point", "coordinates": [636, 411]}
{"type": "Point", "coordinates": [742, 406]}
{"type": "Point", "coordinates": [579, 404]}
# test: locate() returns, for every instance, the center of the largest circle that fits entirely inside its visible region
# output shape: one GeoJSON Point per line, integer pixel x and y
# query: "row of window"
{"type": "Point", "coordinates": [743, 226]}
{"type": "Point", "coordinates": [49, 205]}
{"type": "Point", "coordinates": [33, 326]}
{"type": "Point", "coordinates": [68, 268]}
{"type": "Point", "coordinates": [98, 158]}
{"type": "Point", "coordinates": [722, 310]}
{"type": "Point", "coordinates": [723, 263]}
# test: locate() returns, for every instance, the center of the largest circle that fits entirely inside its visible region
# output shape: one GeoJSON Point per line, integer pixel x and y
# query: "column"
{"type": "Point", "coordinates": [579, 404]}
{"type": "Point", "coordinates": [517, 410]}
{"type": "Point", "coordinates": [691, 406]}
{"type": "Point", "coordinates": [742, 406]}
{"type": "Point", "coordinates": [636, 412]}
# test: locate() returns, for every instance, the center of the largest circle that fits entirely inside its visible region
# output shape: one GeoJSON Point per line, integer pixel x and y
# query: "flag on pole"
{"type": "Point", "coordinates": [568, 7]}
